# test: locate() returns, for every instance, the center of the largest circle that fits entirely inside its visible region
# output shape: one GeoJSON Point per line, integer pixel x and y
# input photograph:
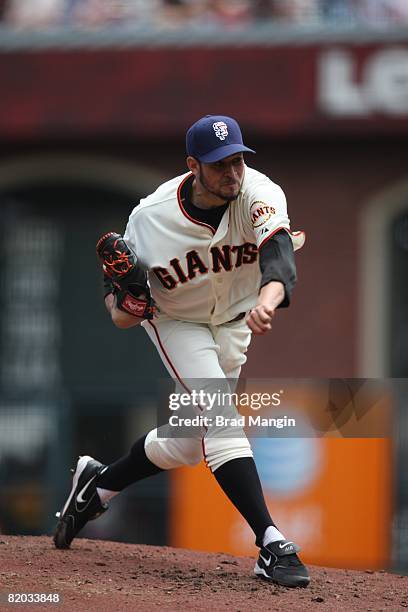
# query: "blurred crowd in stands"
{"type": "Point", "coordinates": [29, 14]}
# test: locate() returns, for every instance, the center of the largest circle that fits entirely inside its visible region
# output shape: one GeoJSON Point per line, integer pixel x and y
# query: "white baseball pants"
{"type": "Point", "coordinates": [203, 352]}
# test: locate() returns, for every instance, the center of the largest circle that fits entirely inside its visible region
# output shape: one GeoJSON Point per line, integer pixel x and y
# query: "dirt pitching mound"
{"type": "Point", "coordinates": [110, 576]}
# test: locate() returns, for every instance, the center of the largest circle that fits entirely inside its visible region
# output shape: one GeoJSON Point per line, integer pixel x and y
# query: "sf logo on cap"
{"type": "Point", "coordinates": [220, 129]}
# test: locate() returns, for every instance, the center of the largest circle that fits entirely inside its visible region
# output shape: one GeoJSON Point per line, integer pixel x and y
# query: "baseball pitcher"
{"type": "Point", "coordinates": [205, 261]}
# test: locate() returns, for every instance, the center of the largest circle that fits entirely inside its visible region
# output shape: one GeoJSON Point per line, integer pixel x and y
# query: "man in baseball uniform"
{"type": "Point", "coordinates": [205, 261]}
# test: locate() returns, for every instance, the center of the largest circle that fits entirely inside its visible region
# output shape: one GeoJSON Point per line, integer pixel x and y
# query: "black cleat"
{"type": "Point", "coordinates": [83, 503]}
{"type": "Point", "coordinates": [279, 563]}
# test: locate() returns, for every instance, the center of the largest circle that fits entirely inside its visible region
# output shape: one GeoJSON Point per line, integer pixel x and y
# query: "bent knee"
{"type": "Point", "coordinates": [168, 453]}
{"type": "Point", "coordinates": [195, 456]}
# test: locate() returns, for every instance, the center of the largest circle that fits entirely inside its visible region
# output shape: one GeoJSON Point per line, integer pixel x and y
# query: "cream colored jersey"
{"type": "Point", "coordinates": [198, 274]}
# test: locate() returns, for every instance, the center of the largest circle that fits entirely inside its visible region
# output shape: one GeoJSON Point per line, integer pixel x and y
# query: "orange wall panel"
{"type": "Point", "coordinates": [340, 516]}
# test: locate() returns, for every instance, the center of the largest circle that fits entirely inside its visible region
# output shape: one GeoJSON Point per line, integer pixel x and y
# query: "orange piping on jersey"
{"type": "Point", "coordinates": [172, 366]}
{"type": "Point", "coordinates": [277, 230]}
{"type": "Point", "coordinates": [185, 213]}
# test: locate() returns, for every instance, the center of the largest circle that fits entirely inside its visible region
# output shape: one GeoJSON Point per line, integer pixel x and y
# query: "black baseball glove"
{"type": "Point", "coordinates": [124, 277]}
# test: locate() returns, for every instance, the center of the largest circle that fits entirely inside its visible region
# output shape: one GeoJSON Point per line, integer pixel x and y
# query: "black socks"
{"type": "Point", "coordinates": [129, 469]}
{"type": "Point", "coordinates": [239, 480]}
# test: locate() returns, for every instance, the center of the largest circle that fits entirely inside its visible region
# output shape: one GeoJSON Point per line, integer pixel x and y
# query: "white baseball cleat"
{"type": "Point", "coordinates": [83, 503]}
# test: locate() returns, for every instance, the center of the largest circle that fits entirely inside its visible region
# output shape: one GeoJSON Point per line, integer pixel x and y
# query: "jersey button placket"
{"type": "Point", "coordinates": [212, 276]}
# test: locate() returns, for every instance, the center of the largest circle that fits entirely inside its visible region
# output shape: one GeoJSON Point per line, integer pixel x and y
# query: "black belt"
{"type": "Point", "coordinates": [240, 316]}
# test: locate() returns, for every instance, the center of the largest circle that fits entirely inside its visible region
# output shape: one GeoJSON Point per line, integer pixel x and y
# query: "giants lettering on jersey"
{"type": "Point", "coordinates": [260, 213]}
{"type": "Point", "coordinates": [227, 257]}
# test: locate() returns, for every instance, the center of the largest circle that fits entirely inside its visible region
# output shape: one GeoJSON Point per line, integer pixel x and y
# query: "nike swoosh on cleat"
{"type": "Point", "coordinates": [267, 562]}
{"type": "Point", "coordinates": [80, 498]}
{"type": "Point", "coordinates": [284, 544]}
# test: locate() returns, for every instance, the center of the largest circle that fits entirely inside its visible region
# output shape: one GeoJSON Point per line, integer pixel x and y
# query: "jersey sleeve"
{"type": "Point", "coordinates": [267, 213]}
{"type": "Point", "coordinates": [130, 233]}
